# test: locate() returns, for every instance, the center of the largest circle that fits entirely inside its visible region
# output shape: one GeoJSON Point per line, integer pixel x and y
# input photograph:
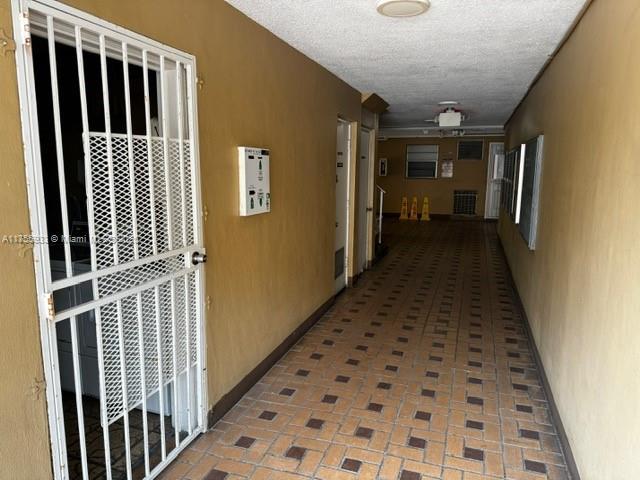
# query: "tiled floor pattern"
{"type": "Point", "coordinates": [422, 371]}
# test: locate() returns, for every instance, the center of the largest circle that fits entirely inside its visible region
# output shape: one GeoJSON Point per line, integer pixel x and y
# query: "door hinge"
{"type": "Point", "coordinates": [25, 29]}
{"type": "Point", "coordinates": [51, 311]}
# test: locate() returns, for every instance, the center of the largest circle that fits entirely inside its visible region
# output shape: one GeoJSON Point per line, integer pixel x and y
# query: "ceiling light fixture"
{"type": "Point", "coordinates": [403, 8]}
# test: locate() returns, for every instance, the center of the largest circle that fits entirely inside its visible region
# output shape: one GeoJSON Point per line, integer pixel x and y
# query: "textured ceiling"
{"type": "Point", "coordinates": [481, 53]}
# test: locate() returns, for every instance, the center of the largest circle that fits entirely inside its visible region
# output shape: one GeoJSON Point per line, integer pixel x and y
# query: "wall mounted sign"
{"type": "Point", "coordinates": [382, 171]}
{"type": "Point", "coordinates": [447, 169]}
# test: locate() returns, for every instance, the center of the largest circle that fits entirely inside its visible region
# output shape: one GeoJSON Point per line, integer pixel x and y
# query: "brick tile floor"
{"type": "Point", "coordinates": [423, 370]}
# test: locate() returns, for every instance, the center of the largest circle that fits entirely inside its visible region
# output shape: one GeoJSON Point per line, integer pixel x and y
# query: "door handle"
{"type": "Point", "coordinates": [198, 257]}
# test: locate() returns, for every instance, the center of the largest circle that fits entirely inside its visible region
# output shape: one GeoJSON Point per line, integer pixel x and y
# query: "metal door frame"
{"type": "Point", "coordinates": [37, 211]}
{"type": "Point", "coordinates": [367, 242]}
{"type": "Point", "coordinates": [347, 206]}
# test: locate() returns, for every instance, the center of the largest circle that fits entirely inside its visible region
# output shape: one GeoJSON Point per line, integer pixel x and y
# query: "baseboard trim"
{"type": "Point", "coordinates": [555, 413]}
{"type": "Point", "coordinates": [236, 393]}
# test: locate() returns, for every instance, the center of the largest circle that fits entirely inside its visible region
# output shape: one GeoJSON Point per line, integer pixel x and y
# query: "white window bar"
{"type": "Point", "coordinates": [134, 219]}
{"type": "Point", "coordinates": [33, 144]}
{"type": "Point", "coordinates": [183, 192]}
{"type": "Point", "coordinates": [125, 396]}
{"type": "Point", "coordinates": [187, 319]}
{"type": "Point", "coordinates": [58, 317]}
{"type": "Point", "coordinates": [147, 111]}
{"type": "Point", "coordinates": [59, 411]}
{"type": "Point", "coordinates": [99, 273]}
{"type": "Point", "coordinates": [77, 381]}
{"type": "Point", "coordinates": [195, 172]}
{"type": "Point", "coordinates": [167, 184]}
{"type": "Point", "coordinates": [92, 249]}
{"type": "Point", "coordinates": [132, 181]}
{"type": "Point", "coordinates": [115, 240]}
{"type": "Point", "coordinates": [107, 130]}
{"type": "Point", "coordinates": [62, 184]}
{"type": "Point", "coordinates": [174, 353]}
{"type": "Point", "coordinates": [143, 383]}
{"type": "Point", "coordinates": [161, 384]}
{"type": "Point", "coordinates": [197, 238]}
{"type": "Point", "coordinates": [154, 239]}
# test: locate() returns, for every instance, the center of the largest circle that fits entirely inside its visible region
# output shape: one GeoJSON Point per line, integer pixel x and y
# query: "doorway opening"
{"type": "Point", "coordinates": [110, 136]}
{"type": "Point", "coordinates": [343, 167]}
{"type": "Point", "coordinates": [365, 199]}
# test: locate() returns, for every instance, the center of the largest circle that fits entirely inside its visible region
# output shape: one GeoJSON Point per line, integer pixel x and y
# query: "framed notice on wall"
{"type": "Point", "coordinates": [447, 169]}
{"type": "Point", "coordinates": [382, 170]}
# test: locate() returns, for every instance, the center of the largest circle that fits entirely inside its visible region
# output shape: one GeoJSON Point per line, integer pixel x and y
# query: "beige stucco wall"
{"type": "Point", "coordinates": [265, 274]}
{"type": "Point", "coordinates": [581, 288]}
{"type": "Point", "coordinates": [467, 175]}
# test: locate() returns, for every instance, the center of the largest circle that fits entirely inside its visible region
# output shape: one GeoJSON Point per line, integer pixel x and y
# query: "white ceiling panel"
{"type": "Point", "coordinates": [481, 53]}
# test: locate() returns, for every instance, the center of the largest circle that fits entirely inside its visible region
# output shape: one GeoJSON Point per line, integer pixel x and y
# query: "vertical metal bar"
{"type": "Point", "coordinates": [167, 183]}
{"type": "Point", "coordinates": [55, 367]}
{"type": "Point", "coordinates": [115, 240]}
{"type": "Point", "coordinates": [183, 194]}
{"type": "Point", "coordinates": [93, 246]}
{"type": "Point", "coordinates": [147, 112]}
{"type": "Point", "coordinates": [77, 379]}
{"type": "Point", "coordinates": [107, 130]}
{"type": "Point", "coordinates": [132, 176]}
{"type": "Point", "coordinates": [198, 239]}
{"type": "Point", "coordinates": [165, 144]}
{"type": "Point", "coordinates": [154, 240]}
{"type": "Point", "coordinates": [62, 183]}
{"type": "Point", "coordinates": [136, 252]}
{"type": "Point", "coordinates": [103, 395]}
{"type": "Point", "coordinates": [187, 318]}
{"type": "Point", "coordinates": [125, 393]}
{"type": "Point", "coordinates": [174, 334]}
{"type": "Point", "coordinates": [132, 185]}
{"type": "Point", "coordinates": [163, 439]}
{"type": "Point", "coordinates": [143, 384]}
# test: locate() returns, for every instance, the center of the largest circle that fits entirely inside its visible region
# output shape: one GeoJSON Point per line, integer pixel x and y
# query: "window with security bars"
{"type": "Point", "coordinates": [470, 149]}
{"type": "Point", "coordinates": [509, 181]}
{"type": "Point", "coordinates": [464, 202]}
{"type": "Point", "coordinates": [422, 161]}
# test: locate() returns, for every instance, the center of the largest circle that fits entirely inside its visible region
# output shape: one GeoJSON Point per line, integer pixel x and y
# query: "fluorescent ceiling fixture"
{"type": "Point", "coordinates": [403, 8]}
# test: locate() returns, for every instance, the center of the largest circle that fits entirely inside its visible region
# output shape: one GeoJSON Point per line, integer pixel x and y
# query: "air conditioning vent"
{"type": "Point", "coordinates": [470, 149]}
{"type": "Point", "coordinates": [464, 202]}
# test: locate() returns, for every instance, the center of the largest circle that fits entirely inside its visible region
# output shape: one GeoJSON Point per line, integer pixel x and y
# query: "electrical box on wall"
{"type": "Point", "coordinates": [255, 192]}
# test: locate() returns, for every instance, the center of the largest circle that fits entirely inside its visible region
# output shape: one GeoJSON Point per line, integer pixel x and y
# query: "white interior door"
{"type": "Point", "coordinates": [495, 170]}
{"type": "Point", "coordinates": [365, 199]}
{"type": "Point", "coordinates": [110, 134]}
{"type": "Point", "coordinates": [342, 203]}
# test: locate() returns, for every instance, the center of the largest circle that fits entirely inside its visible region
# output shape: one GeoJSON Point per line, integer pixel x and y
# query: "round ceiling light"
{"type": "Point", "coordinates": [403, 8]}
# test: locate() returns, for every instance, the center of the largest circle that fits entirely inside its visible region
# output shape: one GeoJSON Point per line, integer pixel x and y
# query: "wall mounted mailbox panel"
{"type": "Point", "coordinates": [255, 193]}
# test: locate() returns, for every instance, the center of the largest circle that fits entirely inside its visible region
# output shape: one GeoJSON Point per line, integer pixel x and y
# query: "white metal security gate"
{"type": "Point", "coordinates": [127, 297]}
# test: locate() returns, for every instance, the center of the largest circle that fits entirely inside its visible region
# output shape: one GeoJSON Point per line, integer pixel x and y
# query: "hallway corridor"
{"type": "Point", "coordinates": [422, 370]}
